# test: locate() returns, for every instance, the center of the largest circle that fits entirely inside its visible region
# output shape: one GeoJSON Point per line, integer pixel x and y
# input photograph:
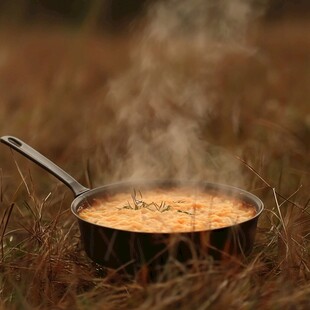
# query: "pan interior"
{"type": "Point", "coordinates": [166, 214]}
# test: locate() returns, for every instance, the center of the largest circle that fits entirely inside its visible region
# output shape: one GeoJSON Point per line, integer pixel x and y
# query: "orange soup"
{"type": "Point", "coordinates": [168, 211]}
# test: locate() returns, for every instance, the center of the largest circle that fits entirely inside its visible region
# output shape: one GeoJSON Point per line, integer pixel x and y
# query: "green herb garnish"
{"type": "Point", "coordinates": [186, 212]}
{"type": "Point", "coordinates": [138, 203]}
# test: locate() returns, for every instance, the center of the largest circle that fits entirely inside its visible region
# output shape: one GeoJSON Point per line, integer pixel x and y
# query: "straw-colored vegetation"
{"type": "Point", "coordinates": [55, 94]}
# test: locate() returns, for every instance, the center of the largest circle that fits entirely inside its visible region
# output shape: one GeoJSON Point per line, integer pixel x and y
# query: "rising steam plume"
{"type": "Point", "coordinates": [161, 103]}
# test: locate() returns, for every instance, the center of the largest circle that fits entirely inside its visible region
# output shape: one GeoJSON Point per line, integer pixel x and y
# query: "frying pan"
{"type": "Point", "coordinates": [132, 250]}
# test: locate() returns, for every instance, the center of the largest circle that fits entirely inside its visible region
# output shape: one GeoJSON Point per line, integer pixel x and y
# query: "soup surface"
{"type": "Point", "coordinates": [167, 210]}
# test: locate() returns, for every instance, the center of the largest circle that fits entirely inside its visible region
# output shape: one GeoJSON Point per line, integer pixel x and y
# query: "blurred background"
{"type": "Point", "coordinates": [117, 14]}
{"type": "Point", "coordinates": [79, 78]}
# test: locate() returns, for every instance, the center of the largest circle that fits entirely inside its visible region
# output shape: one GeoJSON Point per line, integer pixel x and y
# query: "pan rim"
{"type": "Point", "coordinates": [242, 194]}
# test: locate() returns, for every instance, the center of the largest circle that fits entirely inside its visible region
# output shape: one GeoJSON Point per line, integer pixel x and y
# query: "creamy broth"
{"type": "Point", "coordinates": [169, 210]}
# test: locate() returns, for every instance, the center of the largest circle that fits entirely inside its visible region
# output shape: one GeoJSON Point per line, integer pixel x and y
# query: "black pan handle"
{"type": "Point", "coordinates": [45, 163]}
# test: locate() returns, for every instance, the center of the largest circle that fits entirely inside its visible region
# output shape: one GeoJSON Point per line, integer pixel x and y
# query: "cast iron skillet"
{"type": "Point", "coordinates": [116, 248]}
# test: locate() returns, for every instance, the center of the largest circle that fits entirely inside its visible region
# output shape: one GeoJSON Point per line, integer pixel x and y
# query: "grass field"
{"type": "Point", "coordinates": [145, 104]}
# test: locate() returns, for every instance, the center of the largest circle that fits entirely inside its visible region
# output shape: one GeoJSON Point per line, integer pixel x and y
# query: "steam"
{"type": "Point", "coordinates": [162, 102]}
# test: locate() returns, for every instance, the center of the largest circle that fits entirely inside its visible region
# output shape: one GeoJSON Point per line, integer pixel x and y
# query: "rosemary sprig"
{"type": "Point", "coordinates": [181, 211]}
{"type": "Point", "coordinates": [139, 203]}
{"type": "Point", "coordinates": [186, 212]}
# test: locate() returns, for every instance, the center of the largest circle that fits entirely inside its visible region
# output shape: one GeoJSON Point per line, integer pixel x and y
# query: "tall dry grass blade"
{"type": "Point", "coordinates": [262, 179]}
{"type": "Point", "coordinates": [285, 240]}
{"type": "Point", "coordinates": [42, 204]}
{"type": "Point", "coordinates": [20, 173]}
{"type": "Point", "coordinates": [214, 296]}
{"type": "Point", "coordinates": [4, 222]}
{"type": "Point", "coordinates": [88, 175]}
{"type": "Point", "coordinates": [291, 196]}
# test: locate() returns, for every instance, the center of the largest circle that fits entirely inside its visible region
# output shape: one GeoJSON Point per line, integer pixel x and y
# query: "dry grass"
{"type": "Point", "coordinates": [53, 95]}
